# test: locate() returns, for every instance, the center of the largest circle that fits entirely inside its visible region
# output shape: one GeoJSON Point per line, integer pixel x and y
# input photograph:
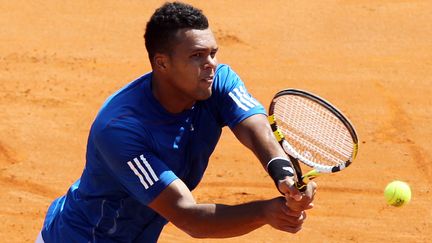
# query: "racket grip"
{"type": "Point", "coordinates": [304, 180]}
{"type": "Point", "coordinates": [301, 185]}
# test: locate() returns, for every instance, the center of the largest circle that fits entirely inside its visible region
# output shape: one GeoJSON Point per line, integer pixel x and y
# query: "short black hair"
{"type": "Point", "coordinates": [166, 21]}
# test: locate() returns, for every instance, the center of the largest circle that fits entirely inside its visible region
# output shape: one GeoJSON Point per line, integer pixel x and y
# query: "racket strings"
{"type": "Point", "coordinates": [313, 150]}
{"type": "Point", "coordinates": [313, 130]}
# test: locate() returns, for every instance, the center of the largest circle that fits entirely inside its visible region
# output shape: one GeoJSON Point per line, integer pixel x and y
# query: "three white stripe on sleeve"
{"type": "Point", "coordinates": [242, 98]}
{"type": "Point", "coordinates": [145, 173]}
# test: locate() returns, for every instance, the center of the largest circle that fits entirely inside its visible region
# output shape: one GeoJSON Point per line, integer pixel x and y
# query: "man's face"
{"type": "Point", "coordinates": [192, 64]}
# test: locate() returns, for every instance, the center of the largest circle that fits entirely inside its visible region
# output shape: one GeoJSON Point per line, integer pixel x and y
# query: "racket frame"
{"type": "Point", "coordinates": [294, 156]}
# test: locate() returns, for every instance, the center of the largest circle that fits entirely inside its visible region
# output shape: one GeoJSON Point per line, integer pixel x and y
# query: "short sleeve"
{"type": "Point", "coordinates": [133, 163]}
{"type": "Point", "coordinates": [234, 101]}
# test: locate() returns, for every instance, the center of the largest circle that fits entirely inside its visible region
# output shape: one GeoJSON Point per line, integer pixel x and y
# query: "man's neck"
{"type": "Point", "coordinates": [169, 97]}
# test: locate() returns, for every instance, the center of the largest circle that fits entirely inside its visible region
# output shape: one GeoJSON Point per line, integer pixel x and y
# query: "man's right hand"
{"type": "Point", "coordinates": [281, 217]}
{"type": "Point", "coordinates": [288, 214]}
{"type": "Point", "coordinates": [306, 199]}
{"type": "Point", "coordinates": [288, 188]}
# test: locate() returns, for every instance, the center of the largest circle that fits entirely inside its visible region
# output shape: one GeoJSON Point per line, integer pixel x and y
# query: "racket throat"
{"type": "Point", "coordinates": [300, 184]}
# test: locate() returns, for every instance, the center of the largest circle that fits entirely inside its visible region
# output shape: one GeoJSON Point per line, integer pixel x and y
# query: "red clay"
{"type": "Point", "coordinates": [373, 59]}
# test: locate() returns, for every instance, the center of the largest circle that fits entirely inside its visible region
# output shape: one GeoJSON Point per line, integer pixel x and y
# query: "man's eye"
{"type": "Point", "coordinates": [197, 55]}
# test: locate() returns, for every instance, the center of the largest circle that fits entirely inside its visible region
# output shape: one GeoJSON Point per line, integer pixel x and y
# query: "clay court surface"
{"type": "Point", "coordinates": [59, 60]}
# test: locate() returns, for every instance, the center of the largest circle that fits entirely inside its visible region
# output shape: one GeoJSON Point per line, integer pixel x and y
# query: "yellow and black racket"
{"type": "Point", "coordinates": [312, 131]}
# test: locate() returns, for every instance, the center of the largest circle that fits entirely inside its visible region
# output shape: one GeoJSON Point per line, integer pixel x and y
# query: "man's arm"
{"type": "Point", "coordinates": [256, 134]}
{"type": "Point", "coordinates": [177, 205]}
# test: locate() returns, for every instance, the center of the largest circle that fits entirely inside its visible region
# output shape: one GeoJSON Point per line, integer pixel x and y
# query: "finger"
{"type": "Point", "coordinates": [295, 193]}
{"type": "Point", "coordinates": [291, 221]}
{"type": "Point", "coordinates": [309, 206]}
{"type": "Point", "coordinates": [305, 203]}
{"type": "Point", "coordinates": [292, 216]}
{"type": "Point", "coordinates": [303, 216]}
{"type": "Point", "coordinates": [289, 212]}
{"type": "Point", "coordinates": [297, 218]}
{"type": "Point", "coordinates": [311, 189]}
{"type": "Point", "coordinates": [291, 229]}
{"type": "Point", "coordinates": [288, 188]}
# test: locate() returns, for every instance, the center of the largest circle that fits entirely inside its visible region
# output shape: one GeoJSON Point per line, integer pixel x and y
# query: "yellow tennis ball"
{"type": "Point", "coordinates": [397, 193]}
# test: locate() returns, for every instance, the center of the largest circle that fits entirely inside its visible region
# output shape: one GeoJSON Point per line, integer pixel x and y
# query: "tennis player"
{"type": "Point", "coordinates": [151, 141]}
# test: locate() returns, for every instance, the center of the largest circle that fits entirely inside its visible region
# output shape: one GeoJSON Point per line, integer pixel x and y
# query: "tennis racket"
{"type": "Point", "coordinates": [312, 131]}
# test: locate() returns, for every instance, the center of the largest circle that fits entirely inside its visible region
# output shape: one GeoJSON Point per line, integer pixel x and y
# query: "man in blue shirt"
{"type": "Point", "coordinates": [151, 142]}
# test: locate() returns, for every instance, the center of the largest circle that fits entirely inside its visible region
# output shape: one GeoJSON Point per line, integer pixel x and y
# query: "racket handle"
{"type": "Point", "coordinates": [301, 186]}
{"type": "Point", "coordinates": [302, 183]}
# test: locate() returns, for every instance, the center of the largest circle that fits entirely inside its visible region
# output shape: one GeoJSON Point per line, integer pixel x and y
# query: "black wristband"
{"type": "Point", "coordinates": [279, 168]}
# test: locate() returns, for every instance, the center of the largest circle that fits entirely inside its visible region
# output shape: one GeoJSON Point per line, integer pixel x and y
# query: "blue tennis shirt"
{"type": "Point", "coordinates": [135, 150]}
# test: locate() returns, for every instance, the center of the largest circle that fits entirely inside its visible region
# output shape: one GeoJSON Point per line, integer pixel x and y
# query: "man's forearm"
{"type": "Point", "coordinates": [255, 133]}
{"type": "Point", "coordinates": [222, 221]}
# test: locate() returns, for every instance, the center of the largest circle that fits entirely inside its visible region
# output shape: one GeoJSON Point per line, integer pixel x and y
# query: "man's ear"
{"type": "Point", "coordinates": [160, 61]}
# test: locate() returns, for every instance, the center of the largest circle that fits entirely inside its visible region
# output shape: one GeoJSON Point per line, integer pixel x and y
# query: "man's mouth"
{"type": "Point", "coordinates": [208, 79]}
